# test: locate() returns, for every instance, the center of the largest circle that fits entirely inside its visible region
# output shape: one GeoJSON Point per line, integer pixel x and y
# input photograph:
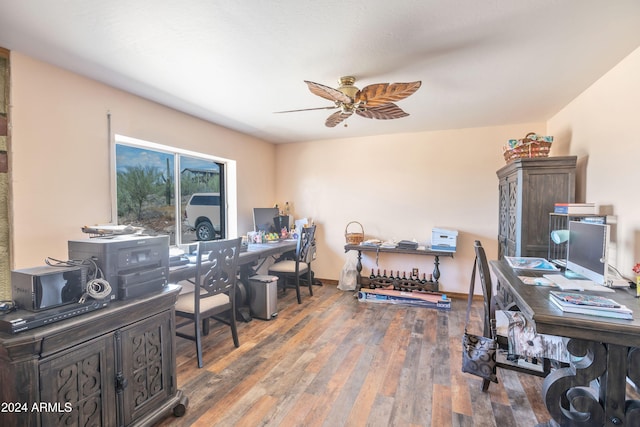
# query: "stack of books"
{"type": "Point", "coordinates": [575, 208]}
{"type": "Point", "coordinates": [418, 299]}
{"type": "Point", "coordinates": [407, 244]}
{"type": "Point", "coordinates": [594, 305]}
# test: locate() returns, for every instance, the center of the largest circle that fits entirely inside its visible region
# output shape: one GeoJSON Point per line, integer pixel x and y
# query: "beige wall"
{"type": "Point", "coordinates": [60, 155]}
{"type": "Point", "coordinates": [400, 187]}
{"type": "Point", "coordinates": [601, 127]}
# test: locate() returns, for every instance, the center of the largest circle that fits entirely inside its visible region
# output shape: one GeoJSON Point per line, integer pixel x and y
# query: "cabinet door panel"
{"type": "Point", "coordinates": [543, 191]}
{"type": "Point", "coordinates": [147, 358]}
{"type": "Point", "coordinates": [513, 217]}
{"type": "Point", "coordinates": [77, 386]}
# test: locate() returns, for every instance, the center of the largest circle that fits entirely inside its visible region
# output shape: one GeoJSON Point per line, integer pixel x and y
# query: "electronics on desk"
{"type": "Point", "coordinates": [587, 250]}
{"type": "Point", "coordinates": [587, 256]}
{"type": "Point", "coordinates": [263, 219]}
{"type": "Point", "coordinates": [46, 294]}
{"type": "Point", "coordinates": [134, 265]}
{"type": "Point", "coordinates": [23, 320]}
{"type": "Point", "coordinates": [45, 287]}
{"type": "Point", "coordinates": [281, 222]}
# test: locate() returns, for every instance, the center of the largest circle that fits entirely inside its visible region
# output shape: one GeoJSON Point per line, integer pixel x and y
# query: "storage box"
{"type": "Point", "coordinates": [443, 239]}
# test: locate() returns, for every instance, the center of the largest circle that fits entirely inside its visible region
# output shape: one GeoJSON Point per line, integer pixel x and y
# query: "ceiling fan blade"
{"type": "Point", "coordinates": [327, 92]}
{"type": "Point", "coordinates": [384, 93]}
{"type": "Point", "coordinates": [383, 112]}
{"type": "Point", "coordinates": [333, 107]}
{"type": "Point", "coordinates": [336, 118]}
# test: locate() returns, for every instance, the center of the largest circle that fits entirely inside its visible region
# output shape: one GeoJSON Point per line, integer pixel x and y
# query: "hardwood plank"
{"type": "Point", "coordinates": [518, 400]}
{"type": "Point", "coordinates": [256, 413]}
{"type": "Point", "coordinates": [390, 384]}
{"type": "Point", "coordinates": [441, 407]}
{"type": "Point", "coordinates": [380, 412]}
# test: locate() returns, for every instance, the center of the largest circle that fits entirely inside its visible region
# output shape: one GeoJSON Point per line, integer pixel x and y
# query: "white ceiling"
{"type": "Point", "coordinates": [235, 63]}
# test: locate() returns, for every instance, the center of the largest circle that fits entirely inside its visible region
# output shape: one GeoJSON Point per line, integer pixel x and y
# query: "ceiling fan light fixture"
{"type": "Point", "coordinates": [347, 87]}
{"type": "Point", "coordinates": [348, 108]}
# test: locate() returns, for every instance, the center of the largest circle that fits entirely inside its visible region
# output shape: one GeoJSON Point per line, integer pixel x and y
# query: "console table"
{"type": "Point", "coordinates": [409, 284]}
{"type": "Point", "coordinates": [610, 349]}
{"type": "Point", "coordinates": [111, 367]}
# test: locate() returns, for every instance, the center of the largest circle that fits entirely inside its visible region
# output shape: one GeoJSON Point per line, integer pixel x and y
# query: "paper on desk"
{"type": "Point", "coordinates": [587, 286]}
{"type": "Point", "coordinates": [530, 263]}
{"type": "Point", "coordinates": [536, 281]}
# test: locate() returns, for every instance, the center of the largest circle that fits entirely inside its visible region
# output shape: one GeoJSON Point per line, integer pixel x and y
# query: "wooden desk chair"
{"type": "Point", "coordinates": [213, 293]}
{"type": "Point", "coordinates": [291, 272]}
{"type": "Point", "coordinates": [513, 334]}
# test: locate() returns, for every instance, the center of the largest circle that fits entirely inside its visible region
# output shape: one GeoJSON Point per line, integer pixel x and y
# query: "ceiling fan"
{"type": "Point", "coordinates": [375, 101]}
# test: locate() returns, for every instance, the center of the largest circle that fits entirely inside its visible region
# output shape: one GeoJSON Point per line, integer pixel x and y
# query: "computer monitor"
{"type": "Point", "coordinates": [263, 219]}
{"type": "Point", "coordinates": [587, 250]}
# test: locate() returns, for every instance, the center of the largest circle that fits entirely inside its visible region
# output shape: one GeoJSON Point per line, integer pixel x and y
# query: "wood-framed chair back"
{"type": "Point", "coordinates": [212, 295]}
{"type": "Point", "coordinates": [216, 268]}
{"type": "Point", "coordinates": [291, 272]}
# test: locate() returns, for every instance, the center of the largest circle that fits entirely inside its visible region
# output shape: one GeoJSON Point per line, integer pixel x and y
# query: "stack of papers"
{"type": "Point", "coordinates": [407, 244]}
{"type": "Point", "coordinates": [530, 263]}
{"type": "Point", "coordinates": [594, 305]}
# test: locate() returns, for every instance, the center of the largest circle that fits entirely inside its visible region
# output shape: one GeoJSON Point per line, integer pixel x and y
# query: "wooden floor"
{"type": "Point", "coordinates": [334, 361]}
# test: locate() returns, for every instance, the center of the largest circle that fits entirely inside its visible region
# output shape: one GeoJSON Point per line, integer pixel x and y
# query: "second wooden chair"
{"type": "Point", "coordinates": [291, 272]}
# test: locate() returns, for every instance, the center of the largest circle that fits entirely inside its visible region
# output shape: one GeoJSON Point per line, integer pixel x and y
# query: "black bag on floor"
{"type": "Point", "coordinates": [478, 352]}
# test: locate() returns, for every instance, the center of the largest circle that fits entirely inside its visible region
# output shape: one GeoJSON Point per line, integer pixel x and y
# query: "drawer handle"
{"type": "Point", "coordinates": [121, 382]}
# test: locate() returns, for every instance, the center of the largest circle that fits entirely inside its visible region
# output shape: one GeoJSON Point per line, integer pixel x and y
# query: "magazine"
{"type": "Point", "coordinates": [530, 263]}
{"type": "Point", "coordinates": [621, 312]}
{"type": "Point", "coordinates": [585, 299]}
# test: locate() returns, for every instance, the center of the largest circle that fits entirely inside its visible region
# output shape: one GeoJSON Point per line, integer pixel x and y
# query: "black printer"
{"type": "Point", "coordinates": [133, 264]}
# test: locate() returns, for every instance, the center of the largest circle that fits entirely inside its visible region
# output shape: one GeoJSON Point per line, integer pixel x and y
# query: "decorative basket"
{"type": "Point", "coordinates": [354, 238]}
{"type": "Point", "coordinates": [528, 147]}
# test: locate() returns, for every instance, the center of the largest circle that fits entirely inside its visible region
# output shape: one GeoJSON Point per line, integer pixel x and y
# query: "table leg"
{"type": "Point", "coordinates": [359, 269]}
{"type": "Point", "coordinates": [566, 391]}
{"type": "Point", "coordinates": [613, 385]}
{"type": "Point", "coordinates": [569, 400]}
{"type": "Point", "coordinates": [359, 264]}
{"type": "Point", "coordinates": [243, 290]}
{"type": "Point", "coordinates": [436, 270]}
{"type": "Point", "coordinates": [632, 407]}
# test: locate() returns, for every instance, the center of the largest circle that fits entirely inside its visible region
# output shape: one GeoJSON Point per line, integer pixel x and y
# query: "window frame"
{"type": "Point", "coordinates": [228, 184]}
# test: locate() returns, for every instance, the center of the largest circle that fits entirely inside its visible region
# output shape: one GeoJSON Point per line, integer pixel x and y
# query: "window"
{"type": "Point", "coordinates": [149, 179]}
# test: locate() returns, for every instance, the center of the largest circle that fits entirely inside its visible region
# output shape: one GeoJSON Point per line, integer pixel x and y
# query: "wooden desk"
{"type": "Point", "coordinates": [253, 254]}
{"type": "Point", "coordinates": [435, 254]}
{"type": "Point", "coordinates": [611, 348]}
